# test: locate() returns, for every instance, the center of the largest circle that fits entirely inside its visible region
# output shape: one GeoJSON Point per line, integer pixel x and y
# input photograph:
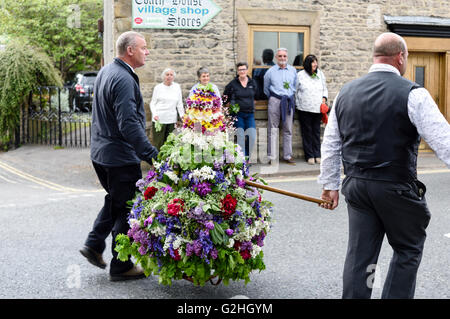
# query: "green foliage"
{"type": "Point", "coordinates": [65, 29]}
{"type": "Point", "coordinates": [22, 69]}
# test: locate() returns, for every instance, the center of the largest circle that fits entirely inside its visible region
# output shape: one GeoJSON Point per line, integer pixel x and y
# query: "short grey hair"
{"type": "Point", "coordinates": [202, 70]}
{"type": "Point", "coordinates": [125, 40]}
{"type": "Point", "coordinates": [163, 74]}
{"type": "Point", "coordinates": [282, 49]}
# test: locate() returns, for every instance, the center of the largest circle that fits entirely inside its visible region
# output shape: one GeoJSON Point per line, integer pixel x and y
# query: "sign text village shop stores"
{"type": "Point", "coordinates": [187, 34]}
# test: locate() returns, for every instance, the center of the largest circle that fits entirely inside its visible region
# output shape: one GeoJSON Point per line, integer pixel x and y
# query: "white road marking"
{"type": "Point", "coordinates": [447, 235]}
{"type": "Point", "coordinates": [7, 179]}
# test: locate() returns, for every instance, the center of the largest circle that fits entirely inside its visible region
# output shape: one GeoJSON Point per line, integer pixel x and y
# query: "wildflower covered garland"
{"type": "Point", "coordinates": [194, 215]}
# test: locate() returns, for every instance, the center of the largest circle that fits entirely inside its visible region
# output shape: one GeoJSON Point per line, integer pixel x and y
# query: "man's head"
{"type": "Point", "coordinates": [390, 48]}
{"type": "Point", "coordinates": [282, 57]}
{"type": "Point", "coordinates": [267, 56]}
{"type": "Point", "coordinates": [132, 48]}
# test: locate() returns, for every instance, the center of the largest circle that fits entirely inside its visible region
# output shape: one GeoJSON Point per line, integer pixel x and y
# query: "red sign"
{"type": "Point", "coordinates": [138, 20]}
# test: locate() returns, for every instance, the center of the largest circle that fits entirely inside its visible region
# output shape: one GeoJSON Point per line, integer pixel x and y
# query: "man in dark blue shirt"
{"type": "Point", "coordinates": [118, 144]}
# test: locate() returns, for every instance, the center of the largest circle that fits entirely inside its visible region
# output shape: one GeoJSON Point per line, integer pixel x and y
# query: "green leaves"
{"type": "Point", "coordinates": [22, 69]}
{"type": "Point", "coordinates": [218, 235]}
{"type": "Point", "coordinates": [64, 29]}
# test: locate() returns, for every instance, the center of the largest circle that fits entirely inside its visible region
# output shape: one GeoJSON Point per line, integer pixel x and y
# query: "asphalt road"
{"type": "Point", "coordinates": [45, 224]}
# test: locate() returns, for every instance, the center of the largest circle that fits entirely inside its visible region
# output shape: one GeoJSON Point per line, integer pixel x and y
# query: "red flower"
{"type": "Point", "coordinates": [228, 206]}
{"type": "Point", "coordinates": [150, 192]}
{"type": "Point", "coordinates": [174, 207]}
{"type": "Point", "coordinates": [177, 255]}
{"type": "Point", "coordinates": [245, 254]}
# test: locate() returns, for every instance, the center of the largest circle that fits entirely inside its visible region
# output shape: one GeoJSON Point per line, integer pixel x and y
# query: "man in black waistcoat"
{"type": "Point", "coordinates": [118, 144]}
{"type": "Point", "coordinates": [375, 128]}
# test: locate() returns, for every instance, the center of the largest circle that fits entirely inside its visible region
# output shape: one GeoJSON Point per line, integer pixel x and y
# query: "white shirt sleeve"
{"type": "Point", "coordinates": [324, 84]}
{"type": "Point", "coordinates": [430, 123]}
{"type": "Point", "coordinates": [330, 166]}
{"type": "Point", "coordinates": [153, 101]}
{"type": "Point", "coordinates": [180, 106]}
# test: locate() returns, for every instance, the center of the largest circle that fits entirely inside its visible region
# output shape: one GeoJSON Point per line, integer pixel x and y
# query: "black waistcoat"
{"type": "Point", "coordinates": [378, 139]}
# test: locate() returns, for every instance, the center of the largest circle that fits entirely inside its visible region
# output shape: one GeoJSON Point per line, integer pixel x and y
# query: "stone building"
{"type": "Point", "coordinates": [339, 32]}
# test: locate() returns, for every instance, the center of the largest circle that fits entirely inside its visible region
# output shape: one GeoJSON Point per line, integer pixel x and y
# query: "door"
{"type": "Point", "coordinates": [427, 69]}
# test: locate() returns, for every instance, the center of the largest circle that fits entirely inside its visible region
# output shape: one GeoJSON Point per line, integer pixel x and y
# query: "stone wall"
{"type": "Point", "coordinates": [342, 33]}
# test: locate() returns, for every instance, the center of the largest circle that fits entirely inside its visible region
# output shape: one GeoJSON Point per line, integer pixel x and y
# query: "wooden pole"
{"type": "Point", "coordinates": [291, 194]}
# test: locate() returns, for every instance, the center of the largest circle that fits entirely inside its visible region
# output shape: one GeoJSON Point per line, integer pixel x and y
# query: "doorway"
{"type": "Point", "coordinates": [427, 69]}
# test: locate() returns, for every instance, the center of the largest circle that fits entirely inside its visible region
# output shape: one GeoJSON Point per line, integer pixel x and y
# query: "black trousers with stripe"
{"type": "Point", "coordinates": [376, 209]}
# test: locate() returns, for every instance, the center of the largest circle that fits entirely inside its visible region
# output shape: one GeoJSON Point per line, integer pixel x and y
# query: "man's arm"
{"type": "Point", "coordinates": [330, 166]}
{"type": "Point", "coordinates": [430, 123]}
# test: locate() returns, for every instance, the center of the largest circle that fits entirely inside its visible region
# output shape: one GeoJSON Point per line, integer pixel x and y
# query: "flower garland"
{"type": "Point", "coordinates": [194, 215]}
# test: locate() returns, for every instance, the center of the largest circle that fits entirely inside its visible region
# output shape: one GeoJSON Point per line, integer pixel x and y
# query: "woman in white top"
{"type": "Point", "coordinates": [203, 80]}
{"type": "Point", "coordinates": [310, 94]}
{"type": "Point", "coordinates": [166, 101]}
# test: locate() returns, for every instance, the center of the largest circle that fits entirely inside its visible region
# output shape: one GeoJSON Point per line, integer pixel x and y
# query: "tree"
{"type": "Point", "coordinates": [65, 29]}
{"type": "Point", "coordinates": [22, 69]}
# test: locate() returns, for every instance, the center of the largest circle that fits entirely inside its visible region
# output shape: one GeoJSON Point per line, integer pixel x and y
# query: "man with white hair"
{"type": "Point", "coordinates": [280, 82]}
{"type": "Point", "coordinates": [118, 145]}
{"type": "Point", "coordinates": [375, 127]}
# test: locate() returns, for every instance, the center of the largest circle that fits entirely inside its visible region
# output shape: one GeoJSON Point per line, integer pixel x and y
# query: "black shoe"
{"type": "Point", "coordinates": [93, 257]}
{"type": "Point", "coordinates": [134, 273]}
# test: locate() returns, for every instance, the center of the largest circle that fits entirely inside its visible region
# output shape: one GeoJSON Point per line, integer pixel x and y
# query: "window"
{"type": "Point", "coordinates": [420, 75]}
{"type": "Point", "coordinates": [265, 40]}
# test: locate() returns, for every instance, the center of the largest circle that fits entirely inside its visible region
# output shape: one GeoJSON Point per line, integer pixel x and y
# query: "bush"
{"type": "Point", "coordinates": [22, 69]}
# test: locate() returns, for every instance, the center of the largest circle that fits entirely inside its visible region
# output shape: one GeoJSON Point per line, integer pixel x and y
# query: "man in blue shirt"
{"type": "Point", "coordinates": [280, 82]}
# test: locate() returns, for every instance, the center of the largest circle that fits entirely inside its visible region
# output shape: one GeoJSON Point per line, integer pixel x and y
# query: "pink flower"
{"type": "Point", "coordinates": [175, 206]}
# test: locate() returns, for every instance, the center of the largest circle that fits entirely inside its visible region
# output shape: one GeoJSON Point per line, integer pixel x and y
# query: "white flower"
{"type": "Point", "coordinates": [203, 174]}
{"type": "Point", "coordinates": [172, 176]}
{"type": "Point", "coordinates": [132, 221]}
{"type": "Point", "coordinates": [158, 231]}
{"type": "Point", "coordinates": [255, 250]}
{"type": "Point", "coordinates": [167, 242]}
{"type": "Point", "coordinates": [230, 243]}
{"type": "Point", "coordinates": [178, 242]}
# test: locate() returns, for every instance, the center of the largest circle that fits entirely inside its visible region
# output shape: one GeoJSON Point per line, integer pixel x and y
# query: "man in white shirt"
{"type": "Point", "coordinates": [375, 128]}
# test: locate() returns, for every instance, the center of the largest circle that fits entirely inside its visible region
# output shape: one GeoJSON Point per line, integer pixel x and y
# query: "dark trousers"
{"type": "Point", "coordinates": [375, 209]}
{"type": "Point", "coordinates": [120, 186]}
{"type": "Point", "coordinates": [310, 130]}
{"type": "Point", "coordinates": [159, 138]}
{"type": "Point", "coordinates": [246, 131]}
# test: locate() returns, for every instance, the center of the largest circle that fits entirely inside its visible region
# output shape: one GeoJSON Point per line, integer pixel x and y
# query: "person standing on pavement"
{"type": "Point", "coordinates": [311, 92]}
{"type": "Point", "coordinates": [166, 102]}
{"type": "Point", "coordinates": [242, 90]}
{"type": "Point", "coordinates": [280, 82]}
{"type": "Point", "coordinates": [118, 145]}
{"type": "Point", "coordinates": [375, 128]}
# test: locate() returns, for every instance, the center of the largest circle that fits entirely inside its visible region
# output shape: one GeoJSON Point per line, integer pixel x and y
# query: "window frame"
{"type": "Point", "coordinates": [262, 104]}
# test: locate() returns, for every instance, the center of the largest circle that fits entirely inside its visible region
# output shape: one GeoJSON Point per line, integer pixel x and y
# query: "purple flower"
{"type": "Point", "coordinates": [202, 189]}
{"type": "Point", "coordinates": [219, 177]}
{"type": "Point", "coordinates": [209, 225]}
{"type": "Point", "coordinates": [240, 183]}
{"type": "Point", "coordinates": [142, 250]}
{"type": "Point", "coordinates": [148, 221]}
{"type": "Point", "coordinates": [141, 183]}
{"type": "Point", "coordinates": [214, 253]}
{"type": "Point", "coordinates": [185, 176]}
{"type": "Point", "coordinates": [246, 245]}
{"type": "Point", "coordinates": [167, 189]}
{"type": "Point", "coordinates": [194, 248]}
{"type": "Point", "coordinates": [229, 232]}
{"type": "Point", "coordinates": [150, 176]}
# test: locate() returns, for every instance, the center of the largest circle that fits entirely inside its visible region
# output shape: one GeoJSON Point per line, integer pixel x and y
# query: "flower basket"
{"type": "Point", "coordinates": [194, 218]}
